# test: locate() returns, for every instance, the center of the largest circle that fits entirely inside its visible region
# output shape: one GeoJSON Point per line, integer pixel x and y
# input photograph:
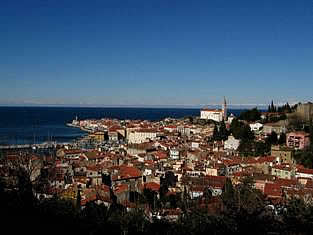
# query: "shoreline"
{"type": "Point", "coordinates": [80, 127]}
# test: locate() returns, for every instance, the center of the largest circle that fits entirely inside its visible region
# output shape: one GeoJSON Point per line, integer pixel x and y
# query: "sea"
{"type": "Point", "coordinates": [35, 125]}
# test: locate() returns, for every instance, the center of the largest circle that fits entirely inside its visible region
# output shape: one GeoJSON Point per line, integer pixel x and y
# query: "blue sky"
{"type": "Point", "coordinates": [155, 52]}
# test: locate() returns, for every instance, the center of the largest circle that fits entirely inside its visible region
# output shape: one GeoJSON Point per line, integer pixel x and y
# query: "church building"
{"type": "Point", "coordinates": [217, 115]}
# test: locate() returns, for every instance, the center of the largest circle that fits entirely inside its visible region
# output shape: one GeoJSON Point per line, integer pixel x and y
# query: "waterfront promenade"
{"type": "Point", "coordinates": [27, 146]}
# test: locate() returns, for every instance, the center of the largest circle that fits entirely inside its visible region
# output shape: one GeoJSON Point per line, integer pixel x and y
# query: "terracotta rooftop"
{"type": "Point", "coordinates": [272, 190]}
{"type": "Point", "coordinates": [125, 172]}
{"type": "Point", "coordinates": [151, 185]}
{"type": "Point", "coordinates": [305, 171]}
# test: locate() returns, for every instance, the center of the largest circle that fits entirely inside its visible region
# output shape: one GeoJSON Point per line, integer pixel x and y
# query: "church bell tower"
{"type": "Point", "coordinates": [224, 109]}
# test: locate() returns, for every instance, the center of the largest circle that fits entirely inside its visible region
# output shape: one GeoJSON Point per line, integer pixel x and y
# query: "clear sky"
{"type": "Point", "coordinates": [155, 52]}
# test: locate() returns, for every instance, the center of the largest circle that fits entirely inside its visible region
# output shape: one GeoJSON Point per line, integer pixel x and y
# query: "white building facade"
{"type": "Point", "coordinates": [212, 114]}
{"type": "Point", "coordinates": [231, 143]}
{"type": "Point", "coordinates": [174, 153]}
{"type": "Point", "coordinates": [255, 126]}
{"type": "Point", "coordinates": [231, 118]}
{"type": "Point", "coordinates": [141, 136]}
{"type": "Point", "coordinates": [217, 115]}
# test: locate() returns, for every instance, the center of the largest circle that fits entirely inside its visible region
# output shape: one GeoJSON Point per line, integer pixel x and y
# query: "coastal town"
{"type": "Point", "coordinates": [156, 117]}
{"type": "Point", "coordinates": [122, 161]}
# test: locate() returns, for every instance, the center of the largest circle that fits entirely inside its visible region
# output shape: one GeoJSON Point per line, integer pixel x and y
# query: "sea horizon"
{"type": "Point", "coordinates": [38, 124]}
{"type": "Point", "coordinates": [230, 106]}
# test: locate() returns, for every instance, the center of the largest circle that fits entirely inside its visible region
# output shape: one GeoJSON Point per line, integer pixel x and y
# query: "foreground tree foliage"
{"type": "Point", "coordinates": [220, 132]}
{"type": "Point", "coordinates": [251, 115]}
{"type": "Point", "coordinates": [241, 130]}
{"type": "Point", "coordinates": [243, 210]}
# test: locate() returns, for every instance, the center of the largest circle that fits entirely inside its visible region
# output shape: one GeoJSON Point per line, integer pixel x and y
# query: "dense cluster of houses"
{"type": "Point", "coordinates": [151, 149]}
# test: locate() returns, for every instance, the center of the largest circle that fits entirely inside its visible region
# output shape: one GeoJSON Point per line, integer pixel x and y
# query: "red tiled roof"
{"type": "Point", "coordinates": [286, 182]}
{"type": "Point", "coordinates": [115, 128]}
{"type": "Point", "coordinates": [282, 167]}
{"type": "Point", "coordinates": [72, 151]}
{"type": "Point", "coordinates": [298, 133]}
{"type": "Point", "coordinates": [151, 185]}
{"type": "Point", "coordinates": [309, 184]}
{"type": "Point", "coordinates": [251, 161]}
{"type": "Point", "coordinates": [272, 190]}
{"type": "Point", "coordinates": [125, 172]}
{"type": "Point", "coordinates": [146, 130]}
{"type": "Point", "coordinates": [211, 110]}
{"type": "Point", "coordinates": [80, 179]}
{"type": "Point", "coordinates": [160, 155]}
{"type": "Point", "coordinates": [231, 162]}
{"type": "Point", "coordinates": [171, 127]}
{"type": "Point", "coordinates": [94, 168]}
{"type": "Point", "coordinates": [241, 174]}
{"type": "Point", "coordinates": [266, 159]}
{"type": "Point", "coordinates": [305, 171]}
